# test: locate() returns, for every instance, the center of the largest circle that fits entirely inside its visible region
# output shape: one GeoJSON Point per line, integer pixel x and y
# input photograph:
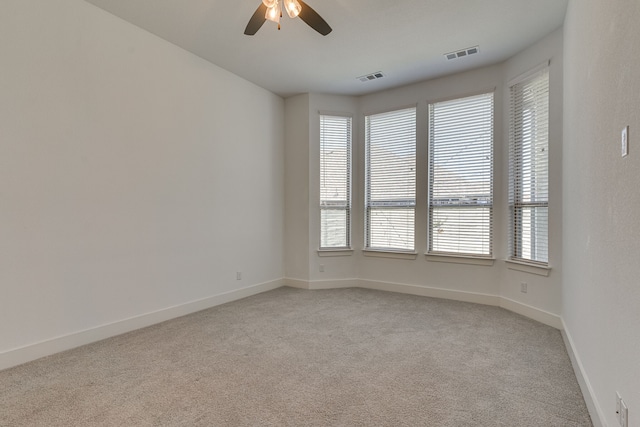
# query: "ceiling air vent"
{"type": "Point", "coordinates": [372, 76]}
{"type": "Point", "coordinates": [462, 53]}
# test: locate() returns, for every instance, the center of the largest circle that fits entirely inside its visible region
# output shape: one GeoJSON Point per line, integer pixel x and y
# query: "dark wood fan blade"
{"type": "Point", "coordinates": [313, 20]}
{"type": "Point", "coordinates": [256, 20]}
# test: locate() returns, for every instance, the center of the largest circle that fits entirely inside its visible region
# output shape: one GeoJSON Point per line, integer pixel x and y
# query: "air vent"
{"type": "Point", "coordinates": [372, 76]}
{"type": "Point", "coordinates": [462, 53]}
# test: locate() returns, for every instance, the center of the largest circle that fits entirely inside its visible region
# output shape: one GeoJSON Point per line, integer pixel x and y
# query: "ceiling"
{"type": "Point", "coordinates": [405, 39]}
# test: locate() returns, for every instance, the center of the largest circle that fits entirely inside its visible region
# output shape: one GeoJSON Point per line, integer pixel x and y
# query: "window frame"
{"type": "Point", "coordinates": [389, 204]}
{"type": "Point", "coordinates": [485, 200]}
{"type": "Point", "coordinates": [516, 194]}
{"type": "Point", "coordinates": [347, 205]}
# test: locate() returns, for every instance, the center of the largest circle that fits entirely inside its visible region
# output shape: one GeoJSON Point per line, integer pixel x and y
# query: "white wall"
{"type": "Point", "coordinates": [296, 231]}
{"type": "Point", "coordinates": [125, 181]}
{"type": "Point", "coordinates": [601, 226]}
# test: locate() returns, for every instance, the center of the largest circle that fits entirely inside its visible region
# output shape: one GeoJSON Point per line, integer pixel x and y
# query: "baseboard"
{"type": "Point", "coordinates": [534, 313]}
{"type": "Point", "coordinates": [597, 416]}
{"type": "Point", "coordinates": [395, 287]}
{"type": "Point", "coordinates": [296, 283]}
{"type": "Point", "coordinates": [320, 284]}
{"type": "Point", "coordinates": [334, 284]}
{"type": "Point", "coordinates": [430, 292]}
{"type": "Point", "coordinates": [31, 352]}
{"type": "Point", "coordinates": [541, 316]}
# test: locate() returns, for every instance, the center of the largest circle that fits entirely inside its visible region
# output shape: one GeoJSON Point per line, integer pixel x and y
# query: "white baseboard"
{"type": "Point", "coordinates": [541, 316]}
{"type": "Point", "coordinates": [31, 352]}
{"type": "Point", "coordinates": [321, 284]}
{"type": "Point", "coordinates": [296, 283]}
{"type": "Point", "coordinates": [534, 313]}
{"type": "Point", "coordinates": [595, 411]}
{"type": "Point", "coordinates": [334, 284]}
{"type": "Point", "coordinates": [430, 292]}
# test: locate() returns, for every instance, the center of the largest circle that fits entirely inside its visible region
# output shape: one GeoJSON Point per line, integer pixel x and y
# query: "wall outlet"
{"type": "Point", "coordinates": [618, 401]}
{"type": "Point", "coordinates": [523, 287]}
{"type": "Point", "coordinates": [321, 268]}
{"type": "Point", "coordinates": [622, 413]}
{"type": "Point", "coordinates": [238, 275]}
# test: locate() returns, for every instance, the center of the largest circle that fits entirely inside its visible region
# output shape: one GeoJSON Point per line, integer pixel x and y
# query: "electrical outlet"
{"type": "Point", "coordinates": [618, 400]}
{"type": "Point", "coordinates": [624, 414]}
{"type": "Point", "coordinates": [238, 275]}
{"type": "Point", "coordinates": [523, 287]}
{"type": "Point", "coordinates": [321, 268]}
{"type": "Point", "coordinates": [625, 141]}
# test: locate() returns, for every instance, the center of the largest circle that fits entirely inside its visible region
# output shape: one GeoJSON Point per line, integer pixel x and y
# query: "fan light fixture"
{"type": "Point", "coordinates": [274, 9]}
{"type": "Point", "coordinates": [271, 10]}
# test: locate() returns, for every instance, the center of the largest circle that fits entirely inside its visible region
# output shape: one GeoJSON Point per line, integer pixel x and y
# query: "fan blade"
{"type": "Point", "coordinates": [256, 20]}
{"type": "Point", "coordinates": [314, 20]}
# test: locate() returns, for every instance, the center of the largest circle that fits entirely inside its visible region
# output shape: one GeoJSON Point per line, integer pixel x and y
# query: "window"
{"type": "Point", "coordinates": [335, 181]}
{"type": "Point", "coordinates": [461, 176]}
{"type": "Point", "coordinates": [529, 169]}
{"type": "Point", "coordinates": [390, 193]}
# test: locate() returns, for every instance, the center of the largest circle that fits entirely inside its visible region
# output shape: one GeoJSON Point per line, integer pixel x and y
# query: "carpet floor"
{"type": "Point", "coordinates": [290, 357]}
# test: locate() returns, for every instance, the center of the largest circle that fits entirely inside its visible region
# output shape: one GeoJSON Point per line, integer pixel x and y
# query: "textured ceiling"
{"type": "Point", "coordinates": [405, 39]}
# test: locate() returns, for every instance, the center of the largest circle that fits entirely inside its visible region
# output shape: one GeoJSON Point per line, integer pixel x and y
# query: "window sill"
{"type": "Point", "coordinates": [389, 254]}
{"type": "Point", "coordinates": [460, 259]}
{"type": "Point", "coordinates": [540, 270]}
{"type": "Point", "coordinates": [335, 252]}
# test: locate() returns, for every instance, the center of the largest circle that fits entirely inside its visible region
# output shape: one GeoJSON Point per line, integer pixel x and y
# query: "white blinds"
{"type": "Point", "coordinates": [461, 176]}
{"type": "Point", "coordinates": [529, 169]}
{"type": "Point", "coordinates": [335, 181]}
{"type": "Point", "coordinates": [390, 194]}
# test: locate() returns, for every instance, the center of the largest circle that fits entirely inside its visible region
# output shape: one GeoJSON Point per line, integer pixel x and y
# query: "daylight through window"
{"type": "Point", "coordinates": [335, 181]}
{"type": "Point", "coordinates": [390, 193]}
{"type": "Point", "coordinates": [529, 169]}
{"type": "Point", "coordinates": [461, 176]}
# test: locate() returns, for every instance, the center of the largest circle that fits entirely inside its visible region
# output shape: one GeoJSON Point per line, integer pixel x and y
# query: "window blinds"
{"type": "Point", "coordinates": [461, 176]}
{"type": "Point", "coordinates": [335, 181]}
{"type": "Point", "coordinates": [529, 169]}
{"type": "Point", "coordinates": [390, 193]}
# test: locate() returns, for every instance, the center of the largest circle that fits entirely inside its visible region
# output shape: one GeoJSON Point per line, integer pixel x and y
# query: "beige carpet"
{"type": "Point", "coordinates": [289, 357]}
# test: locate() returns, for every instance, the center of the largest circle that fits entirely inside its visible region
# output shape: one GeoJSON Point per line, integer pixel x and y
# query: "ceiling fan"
{"type": "Point", "coordinates": [272, 10]}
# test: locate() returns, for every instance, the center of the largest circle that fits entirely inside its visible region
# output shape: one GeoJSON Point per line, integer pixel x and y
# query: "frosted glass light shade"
{"type": "Point", "coordinates": [269, 3]}
{"type": "Point", "coordinates": [273, 13]}
{"type": "Point", "coordinates": [292, 7]}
